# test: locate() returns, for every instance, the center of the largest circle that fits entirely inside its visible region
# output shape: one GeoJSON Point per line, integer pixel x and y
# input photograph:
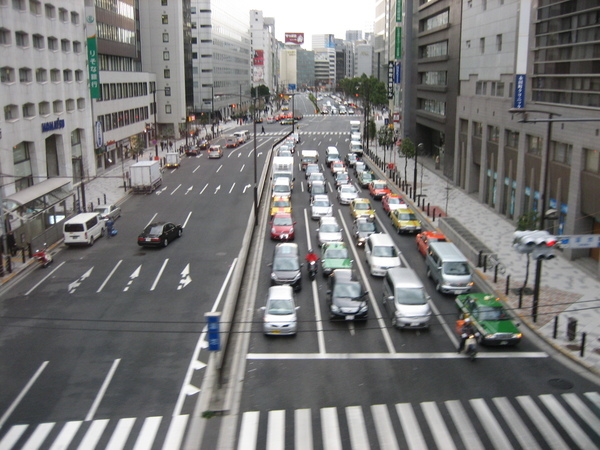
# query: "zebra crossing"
{"type": "Point", "coordinates": [130, 432]}
{"type": "Point", "coordinates": [304, 133]}
{"type": "Point", "coordinates": [564, 421]}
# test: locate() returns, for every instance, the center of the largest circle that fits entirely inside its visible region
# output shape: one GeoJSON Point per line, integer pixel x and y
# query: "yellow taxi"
{"type": "Point", "coordinates": [281, 205]}
{"type": "Point", "coordinates": [361, 207]}
{"type": "Point", "coordinates": [404, 220]}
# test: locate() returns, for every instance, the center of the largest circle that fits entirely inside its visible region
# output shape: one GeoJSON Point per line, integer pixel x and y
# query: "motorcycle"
{"type": "Point", "coordinates": [471, 346]}
{"type": "Point", "coordinates": [43, 257]}
{"type": "Point", "coordinates": [312, 269]}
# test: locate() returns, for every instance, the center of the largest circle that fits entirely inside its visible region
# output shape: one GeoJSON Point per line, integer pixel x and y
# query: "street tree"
{"type": "Point", "coordinates": [407, 149]}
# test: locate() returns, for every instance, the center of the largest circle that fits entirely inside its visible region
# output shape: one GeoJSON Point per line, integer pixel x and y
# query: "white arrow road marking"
{"type": "Point", "coordinates": [175, 190]}
{"type": "Point", "coordinates": [161, 191]}
{"type": "Point", "coordinates": [203, 188]}
{"type": "Point", "coordinates": [160, 272]}
{"type": "Point", "coordinates": [248, 186]}
{"type": "Point", "coordinates": [218, 189]}
{"type": "Point", "coordinates": [185, 278]}
{"type": "Point", "coordinates": [132, 277]}
{"type": "Point", "coordinates": [189, 190]}
{"type": "Point", "coordinates": [75, 284]}
{"type": "Point", "coordinates": [231, 189]}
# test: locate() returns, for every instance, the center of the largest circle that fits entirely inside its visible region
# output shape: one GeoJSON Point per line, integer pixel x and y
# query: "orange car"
{"type": "Point", "coordinates": [378, 188]}
{"type": "Point", "coordinates": [427, 237]}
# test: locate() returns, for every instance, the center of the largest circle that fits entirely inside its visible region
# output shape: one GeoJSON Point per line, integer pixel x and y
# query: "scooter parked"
{"type": "Point", "coordinates": [43, 257]}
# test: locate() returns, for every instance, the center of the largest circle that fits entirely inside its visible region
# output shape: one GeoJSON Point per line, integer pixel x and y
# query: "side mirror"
{"type": "Point", "coordinates": [263, 308]}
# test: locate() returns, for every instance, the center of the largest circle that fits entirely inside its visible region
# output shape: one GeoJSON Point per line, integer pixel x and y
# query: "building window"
{"type": "Point", "coordinates": [41, 75]}
{"type": "Point", "coordinates": [436, 21]}
{"type": "Point", "coordinates": [499, 42]}
{"type": "Point", "coordinates": [167, 109]}
{"type": "Point", "coordinates": [57, 106]}
{"type": "Point", "coordinates": [81, 103]}
{"type": "Point", "coordinates": [481, 88]}
{"type": "Point", "coordinates": [70, 104]}
{"type": "Point", "coordinates": [79, 75]}
{"type": "Point", "coordinates": [44, 108]}
{"type": "Point", "coordinates": [55, 75]}
{"type": "Point", "coordinates": [194, 55]}
{"type": "Point", "coordinates": [7, 74]}
{"type": "Point", "coordinates": [63, 15]}
{"type": "Point", "coordinates": [493, 133]}
{"type": "Point", "coordinates": [477, 129]}
{"type": "Point", "coordinates": [167, 92]}
{"type": "Point", "coordinates": [167, 73]}
{"type": "Point", "coordinates": [561, 152]}
{"type": "Point", "coordinates": [482, 45]}
{"type": "Point", "coordinates": [67, 75]}
{"type": "Point", "coordinates": [35, 7]}
{"type": "Point", "coordinates": [165, 37]}
{"type": "Point", "coordinates": [38, 41]}
{"type": "Point", "coordinates": [592, 160]}
{"type": "Point", "coordinates": [166, 55]}
{"type": "Point", "coordinates": [19, 5]}
{"type": "Point", "coordinates": [28, 110]}
{"type": "Point", "coordinates": [484, 5]}
{"type": "Point", "coordinates": [22, 39]}
{"type": "Point", "coordinates": [164, 3]}
{"type": "Point", "coordinates": [4, 36]}
{"type": "Point", "coordinates": [50, 11]}
{"type": "Point", "coordinates": [165, 19]}
{"type": "Point", "coordinates": [52, 43]}
{"type": "Point", "coordinates": [25, 75]}
{"type": "Point", "coordinates": [11, 112]}
{"type": "Point", "coordinates": [74, 18]}
{"type": "Point", "coordinates": [22, 165]}
{"type": "Point", "coordinates": [512, 139]}
{"type": "Point", "coordinates": [534, 145]}
{"type": "Point", "coordinates": [65, 45]}
{"type": "Point", "coordinates": [76, 47]}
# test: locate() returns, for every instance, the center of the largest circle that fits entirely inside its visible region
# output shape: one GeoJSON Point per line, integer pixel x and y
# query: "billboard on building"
{"type": "Point", "coordinates": [294, 38]}
{"type": "Point", "coordinates": [259, 57]}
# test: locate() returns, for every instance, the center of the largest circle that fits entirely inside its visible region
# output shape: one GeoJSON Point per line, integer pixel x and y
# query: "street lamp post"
{"type": "Point", "coordinates": [255, 174]}
{"type": "Point", "coordinates": [419, 148]}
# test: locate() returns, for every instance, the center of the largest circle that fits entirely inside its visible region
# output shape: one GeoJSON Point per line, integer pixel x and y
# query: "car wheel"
{"type": "Point", "coordinates": [165, 242]}
{"type": "Point", "coordinates": [398, 230]}
{"type": "Point", "coordinates": [91, 241]}
{"type": "Point", "coordinates": [428, 272]}
{"type": "Point", "coordinates": [179, 233]}
{"type": "Point", "coordinates": [438, 287]}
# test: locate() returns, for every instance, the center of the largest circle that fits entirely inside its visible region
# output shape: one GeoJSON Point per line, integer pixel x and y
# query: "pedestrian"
{"type": "Point", "coordinates": [262, 128]}
{"type": "Point", "coordinates": [109, 227]}
{"type": "Point", "coordinates": [11, 243]}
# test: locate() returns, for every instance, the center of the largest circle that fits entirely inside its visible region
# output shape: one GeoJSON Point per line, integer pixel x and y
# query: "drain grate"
{"type": "Point", "coordinates": [559, 383]}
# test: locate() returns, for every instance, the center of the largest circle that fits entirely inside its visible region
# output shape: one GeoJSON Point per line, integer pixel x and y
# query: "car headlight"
{"type": "Point", "coordinates": [274, 277]}
{"type": "Point", "coordinates": [291, 230]}
{"type": "Point", "coordinates": [273, 230]}
{"type": "Point", "coordinates": [335, 308]}
{"type": "Point", "coordinates": [363, 308]}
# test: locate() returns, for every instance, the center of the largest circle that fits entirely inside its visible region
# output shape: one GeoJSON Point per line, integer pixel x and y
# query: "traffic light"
{"type": "Point", "coordinates": [540, 244]}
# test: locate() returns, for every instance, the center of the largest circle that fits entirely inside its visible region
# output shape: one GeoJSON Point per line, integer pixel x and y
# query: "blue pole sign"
{"type": "Point", "coordinates": [214, 338]}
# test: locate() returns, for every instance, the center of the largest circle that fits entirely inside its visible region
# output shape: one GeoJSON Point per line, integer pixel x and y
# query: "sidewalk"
{"type": "Point", "coordinates": [566, 291]}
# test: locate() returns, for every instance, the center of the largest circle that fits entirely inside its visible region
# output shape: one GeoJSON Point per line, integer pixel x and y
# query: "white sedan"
{"type": "Point", "coordinates": [346, 193]}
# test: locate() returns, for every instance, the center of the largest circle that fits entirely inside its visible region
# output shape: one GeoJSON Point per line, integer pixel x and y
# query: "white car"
{"type": "Point", "coordinates": [329, 230]}
{"type": "Point", "coordinates": [320, 207]}
{"type": "Point", "coordinates": [346, 193]}
{"type": "Point", "coordinates": [280, 311]}
{"type": "Point", "coordinates": [315, 176]}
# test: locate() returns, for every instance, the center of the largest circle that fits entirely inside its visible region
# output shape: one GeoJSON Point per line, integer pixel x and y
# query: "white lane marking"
{"type": "Point", "coordinates": [44, 279]}
{"type": "Point", "coordinates": [248, 186]}
{"type": "Point", "coordinates": [231, 189]}
{"type": "Point", "coordinates": [219, 168]}
{"type": "Point", "coordinates": [242, 168]}
{"type": "Point", "coordinates": [22, 394]}
{"type": "Point", "coordinates": [217, 189]}
{"type": "Point", "coordinates": [194, 171]}
{"type": "Point", "coordinates": [175, 190]}
{"type": "Point", "coordinates": [132, 277]}
{"type": "Point", "coordinates": [102, 391]}
{"type": "Point", "coordinates": [160, 272]}
{"type": "Point", "coordinates": [109, 276]}
{"type": "Point", "coordinates": [152, 220]}
{"type": "Point", "coordinates": [391, 356]}
{"type": "Point", "coordinates": [187, 219]}
{"type": "Point", "coordinates": [203, 189]}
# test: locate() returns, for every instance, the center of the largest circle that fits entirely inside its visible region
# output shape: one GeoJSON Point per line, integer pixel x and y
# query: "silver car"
{"type": "Point", "coordinates": [329, 230]}
{"type": "Point", "coordinates": [315, 176]}
{"type": "Point", "coordinates": [320, 207]}
{"type": "Point", "coordinates": [280, 311]}
{"type": "Point", "coordinates": [346, 193]}
{"type": "Point", "coordinates": [108, 211]}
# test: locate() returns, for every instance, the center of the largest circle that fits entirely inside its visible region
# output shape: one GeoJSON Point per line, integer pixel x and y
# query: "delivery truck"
{"type": "Point", "coordinates": [172, 159]}
{"type": "Point", "coordinates": [145, 177]}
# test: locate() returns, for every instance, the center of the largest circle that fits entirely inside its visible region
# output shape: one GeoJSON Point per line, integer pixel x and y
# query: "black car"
{"type": "Point", "coordinates": [346, 297]}
{"type": "Point", "coordinates": [159, 234]}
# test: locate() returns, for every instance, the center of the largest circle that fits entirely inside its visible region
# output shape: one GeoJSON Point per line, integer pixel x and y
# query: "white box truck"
{"type": "Point", "coordinates": [172, 159]}
{"type": "Point", "coordinates": [283, 166]}
{"type": "Point", "coordinates": [145, 176]}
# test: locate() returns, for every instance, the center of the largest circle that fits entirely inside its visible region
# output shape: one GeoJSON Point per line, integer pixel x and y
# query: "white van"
{"type": "Point", "coordinates": [405, 298]}
{"type": "Point", "coordinates": [448, 268]}
{"type": "Point", "coordinates": [356, 148]}
{"type": "Point", "coordinates": [282, 187]}
{"type": "Point", "coordinates": [381, 253]}
{"type": "Point", "coordinates": [354, 126]}
{"type": "Point", "coordinates": [83, 229]}
{"type": "Point", "coordinates": [332, 154]}
{"type": "Point", "coordinates": [242, 136]}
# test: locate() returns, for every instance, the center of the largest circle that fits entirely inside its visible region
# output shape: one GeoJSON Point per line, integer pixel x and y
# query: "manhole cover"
{"type": "Point", "coordinates": [559, 383]}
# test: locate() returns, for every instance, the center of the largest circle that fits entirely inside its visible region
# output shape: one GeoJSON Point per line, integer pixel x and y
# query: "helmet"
{"type": "Point", "coordinates": [468, 320]}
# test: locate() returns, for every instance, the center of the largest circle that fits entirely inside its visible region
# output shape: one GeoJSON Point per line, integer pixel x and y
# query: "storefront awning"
{"type": "Point", "coordinates": [36, 191]}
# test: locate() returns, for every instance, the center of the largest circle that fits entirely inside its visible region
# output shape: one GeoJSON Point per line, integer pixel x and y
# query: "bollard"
{"type": "Point", "coordinates": [479, 258]}
{"type": "Point", "coordinates": [23, 255]}
{"type": "Point", "coordinates": [555, 329]}
{"type": "Point", "coordinates": [105, 199]}
{"type": "Point", "coordinates": [485, 263]}
{"type": "Point", "coordinates": [582, 348]}
{"type": "Point", "coordinates": [428, 208]}
{"type": "Point", "coordinates": [9, 263]}
{"type": "Point", "coordinates": [496, 273]}
{"type": "Point", "coordinates": [571, 328]}
{"type": "Point", "coordinates": [507, 285]}
{"type": "Point", "coordinates": [520, 298]}
{"type": "Point", "coordinates": [433, 216]}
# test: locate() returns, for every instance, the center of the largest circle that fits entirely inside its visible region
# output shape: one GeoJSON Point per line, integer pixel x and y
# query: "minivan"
{"type": "Point", "coordinates": [448, 268]}
{"type": "Point", "coordinates": [282, 187]}
{"type": "Point", "coordinates": [332, 154]}
{"type": "Point", "coordinates": [381, 254]}
{"type": "Point", "coordinates": [242, 136]}
{"type": "Point", "coordinates": [83, 229]}
{"type": "Point", "coordinates": [405, 298]}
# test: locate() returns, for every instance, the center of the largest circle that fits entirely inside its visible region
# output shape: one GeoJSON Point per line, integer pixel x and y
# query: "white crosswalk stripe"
{"type": "Point", "coordinates": [475, 424]}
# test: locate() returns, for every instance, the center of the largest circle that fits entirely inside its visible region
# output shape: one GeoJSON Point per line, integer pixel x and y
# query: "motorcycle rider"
{"type": "Point", "coordinates": [466, 330]}
{"type": "Point", "coordinates": [311, 256]}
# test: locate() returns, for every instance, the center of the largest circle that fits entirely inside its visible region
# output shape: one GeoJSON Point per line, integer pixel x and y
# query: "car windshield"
{"type": "Point", "coordinates": [336, 253]}
{"type": "Point", "coordinates": [316, 176]}
{"type": "Point", "coordinates": [286, 263]}
{"type": "Point", "coordinates": [366, 176]}
{"type": "Point", "coordinates": [281, 203]}
{"type": "Point", "coordinates": [408, 296]}
{"type": "Point", "coordinates": [101, 210]}
{"type": "Point", "coordinates": [280, 307]}
{"type": "Point", "coordinates": [393, 200]}
{"type": "Point", "coordinates": [456, 268]}
{"type": "Point", "coordinates": [330, 228]}
{"type": "Point", "coordinates": [379, 185]}
{"type": "Point", "coordinates": [367, 226]}
{"type": "Point", "coordinates": [385, 251]}
{"type": "Point", "coordinates": [348, 290]}
{"type": "Point", "coordinates": [318, 189]}
{"type": "Point", "coordinates": [157, 229]}
{"type": "Point", "coordinates": [281, 221]}
{"type": "Point", "coordinates": [321, 203]}
{"type": "Point", "coordinates": [406, 216]}
{"type": "Point", "coordinates": [492, 313]}
{"type": "Point", "coordinates": [348, 189]}
{"type": "Point", "coordinates": [362, 206]}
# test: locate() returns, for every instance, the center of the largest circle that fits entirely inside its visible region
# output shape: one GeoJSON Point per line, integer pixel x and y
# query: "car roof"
{"type": "Point", "coordinates": [282, 214]}
{"type": "Point", "coordinates": [282, 292]}
{"type": "Point", "coordinates": [344, 275]}
{"type": "Point", "coordinates": [484, 299]}
{"type": "Point", "coordinates": [329, 219]}
{"type": "Point", "coordinates": [320, 197]}
{"type": "Point", "coordinates": [334, 245]}
{"type": "Point", "coordinates": [361, 200]}
{"type": "Point", "coordinates": [285, 197]}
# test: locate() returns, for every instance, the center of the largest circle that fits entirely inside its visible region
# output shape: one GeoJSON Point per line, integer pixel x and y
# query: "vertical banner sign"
{"type": "Point", "coordinates": [90, 31]}
{"type": "Point", "coordinates": [520, 80]}
{"type": "Point", "coordinates": [391, 79]}
{"type": "Point", "coordinates": [399, 11]}
{"type": "Point", "coordinates": [398, 43]}
{"type": "Point", "coordinates": [398, 73]}
{"type": "Point", "coordinates": [214, 338]}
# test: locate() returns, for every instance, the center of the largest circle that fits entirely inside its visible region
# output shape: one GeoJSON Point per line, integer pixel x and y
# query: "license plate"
{"type": "Point", "coordinates": [415, 324]}
{"type": "Point", "coordinates": [275, 331]}
{"type": "Point", "coordinates": [503, 342]}
{"type": "Point", "coordinates": [350, 317]}
{"type": "Point", "coordinates": [148, 239]}
{"type": "Point", "coordinates": [284, 236]}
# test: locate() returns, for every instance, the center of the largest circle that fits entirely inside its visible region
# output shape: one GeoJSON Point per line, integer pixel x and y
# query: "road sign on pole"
{"type": "Point", "coordinates": [580, 241]}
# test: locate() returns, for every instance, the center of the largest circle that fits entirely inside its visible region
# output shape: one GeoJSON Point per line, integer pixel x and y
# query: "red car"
{"type": "Point", "coordinates": [391, 202]}
{"type": "Point", "coordinates": [282, 227]}
{"type": "Point", "coordinates": [378, 188]}
{"type": "Point", "coordinates": [427, 237]}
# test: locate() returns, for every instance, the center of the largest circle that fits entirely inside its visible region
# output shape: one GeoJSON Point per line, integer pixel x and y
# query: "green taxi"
{"type": "Point", "coordinates": [334, 255]}
{"type": "Point", "coordinates": [490, 318]}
